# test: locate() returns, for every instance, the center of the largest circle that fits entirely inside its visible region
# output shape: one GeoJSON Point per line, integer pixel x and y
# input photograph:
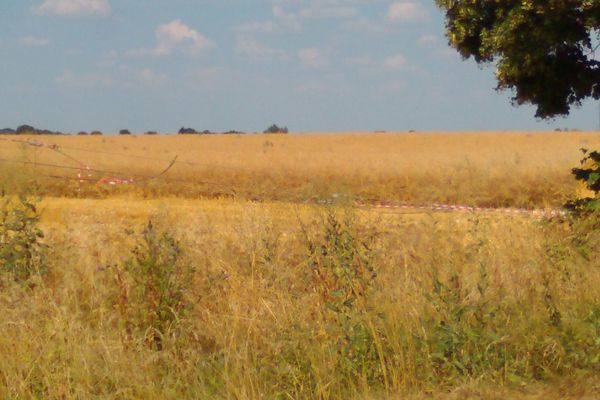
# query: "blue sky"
{"type": "Point", "coordinates": [312, 65]}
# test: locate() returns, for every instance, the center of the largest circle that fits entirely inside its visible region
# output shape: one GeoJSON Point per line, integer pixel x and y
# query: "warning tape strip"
{"type": "Point", "coordinates": [440, 207]}
{"type": "Point", "coordinates": [543, 213]}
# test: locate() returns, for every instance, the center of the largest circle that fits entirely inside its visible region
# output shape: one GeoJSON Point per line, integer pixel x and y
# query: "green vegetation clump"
{"type": "Point", "coordinates": [23, 254]}
{"type": "Point", "coordinates": [589, 176]}
{"type": "Point", "coordinates": [152, 288]}
{"type": "Point", "coordinates": [343, 271]}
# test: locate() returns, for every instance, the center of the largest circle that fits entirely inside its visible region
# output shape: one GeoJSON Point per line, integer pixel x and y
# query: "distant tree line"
{"type": "Point", "coordinates": [276, 129]}
{"type": "Point", "coordinates": [30, 130]}
{"type": "Point", "coordinates": [191, 131]}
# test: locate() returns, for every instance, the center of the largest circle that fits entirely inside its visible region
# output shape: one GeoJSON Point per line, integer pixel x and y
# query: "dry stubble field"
{"type": "Point", "coordinates": [244, 287]}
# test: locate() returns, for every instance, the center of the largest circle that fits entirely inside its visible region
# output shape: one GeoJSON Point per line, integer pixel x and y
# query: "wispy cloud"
{"type": "Point", "coordinates": [259, 27]}
{"type": "Point", "coordinates": [313, 58]}
{"type": "Point", "coordinates": [391, 64]}
{"type": "Point", "coordinates": [83, 80]}
{"type": "Point", "coordinates": [392, 87]}
{"type": "Point", "coordinates": [119, 76]}
{"type": "Point", "coordinates": [288, 21]}
{"type": "Point", "coordinates": [397, 61]}
{"type": "Point", "coordinates": [144, 78]}
{"type": "Point", "coordinates": [427, 40]}
{"type": "Point", "coordinates": [320, 10]}
{"type": "Point", "coordinates": [249, 46]}
{"type": "Point", "coordinates": [32, 41]}
{"type": "Point", "coordinates": [73, 8]}
{"type": "Point", "coordinates": [310, 88]}
{"type": "Point", "coordinates": [407, 12]}
{"type": "Point", "coordinates": [363, 25]}
{"type": "Point", "coordinates": [172, 37]}
{"type": "Point", "coordinates": [289, 16]}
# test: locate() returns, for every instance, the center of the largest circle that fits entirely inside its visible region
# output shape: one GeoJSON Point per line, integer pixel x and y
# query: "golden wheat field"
{"type": "Point", "coordinates": [246, 270]}
{"type": "Point", "coordinates": [494, 169]}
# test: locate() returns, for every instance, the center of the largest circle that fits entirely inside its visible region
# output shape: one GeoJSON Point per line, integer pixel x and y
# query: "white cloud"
{"type": "Point", "coordinates": [320, 10]}
{"type": "Point", "coordinates": [75, 80]}
{"type": "Point", "coordinates": [447, 53]}
{"type": "Point", "coordinates": [248, 46]}
{"type": "Point", "coordinates": [407, 12]}
{"type": "Point", "coordinates": [143, 78]}
{"type": "Point", "coordinates": [32, 41]}
{"type": "Point", "coordinates": [108, 59]}
{"type": "Point", "coordinates": [323, 8]}
{"type": "Point", "coordinates": [312, 58]}
{"type": "Point", "coordinates": [363, 61]}
{"type": "Point", "coordinates": [175, 36]}
{"type": "Point", "coordinates": [289, 16]}
{"type": "Point", "coordinates": [310, 88]}
{"type": "Point", "coordinates": [427, 40]}
{"type": "Point", "coordinates": [391, 64]}
{"type": "Point", "coordinates": [119, 76]}
{"type": "Point", "coordinates": [363, 25]}
{"type": "Point", "coordinates": [392, 87]}
{"type": "Point", "coordinates": [208, 74]}
{"type": "Point", "coordinates": [288, 21]}
{"type": "Point", "coordinates": [397, 61]}
{"type": "Point", "coordinates": [73, 7]}
{"type": "Point", "coordinates": [261, 27]}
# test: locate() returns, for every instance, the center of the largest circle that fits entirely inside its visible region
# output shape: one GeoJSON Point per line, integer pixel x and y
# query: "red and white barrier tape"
{"type": "Point", "coordinates": [544, 213]}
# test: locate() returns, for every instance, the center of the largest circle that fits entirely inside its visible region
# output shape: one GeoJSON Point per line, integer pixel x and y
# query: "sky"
{"type": "Point", "coordinates": [310, 65]}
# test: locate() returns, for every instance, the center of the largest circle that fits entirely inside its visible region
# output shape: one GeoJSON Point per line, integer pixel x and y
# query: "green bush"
{"type": "Point", "coordinates": [22, 251]}
{"type": "Point", "coordinates": [343, 271]}
{"type": "Point", "coordinates": [589, 175]}
{"type": "Point", "coordinates": [153, 284]}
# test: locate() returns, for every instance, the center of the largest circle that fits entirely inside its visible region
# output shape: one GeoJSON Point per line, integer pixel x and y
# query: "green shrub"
{"type": "Point", "coordinates": [153, 284]}
{"type": "Point", "coordinates": [461, 337]}
{"type": "Point", "coordinates": [589, 175]}
{"type": "Point", "coordinates": [342, 266]}
{"type": "Point", "coordinates": [22, 251]}
{"type": "Point", "coordinates": [343, 275]}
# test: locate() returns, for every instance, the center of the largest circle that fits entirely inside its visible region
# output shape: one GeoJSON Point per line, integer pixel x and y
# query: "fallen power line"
{"type": "Point", "coordinates": [126, 155]}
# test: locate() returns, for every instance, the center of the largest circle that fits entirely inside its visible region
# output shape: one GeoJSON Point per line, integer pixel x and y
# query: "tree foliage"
{"type": "Point", "coordinates": [545, 50]}
{"type": "Point", "coordinates": [589, 175]}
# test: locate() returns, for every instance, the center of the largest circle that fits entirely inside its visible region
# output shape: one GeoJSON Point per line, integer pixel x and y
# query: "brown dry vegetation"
{"type": "Point", "coordinates": [289, 300]}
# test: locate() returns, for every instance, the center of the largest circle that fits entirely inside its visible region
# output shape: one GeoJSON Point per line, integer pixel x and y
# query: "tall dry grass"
{"type": "Point", "coordinates": [488, 169]}
{"type": "Point", "coordinates": [303, 302]}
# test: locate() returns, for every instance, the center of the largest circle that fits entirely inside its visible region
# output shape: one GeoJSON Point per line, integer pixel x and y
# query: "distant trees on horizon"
{"type": "Point", "coordinates": [276, 129]}
{"type": "Point", "coordinates": [30, 130]}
